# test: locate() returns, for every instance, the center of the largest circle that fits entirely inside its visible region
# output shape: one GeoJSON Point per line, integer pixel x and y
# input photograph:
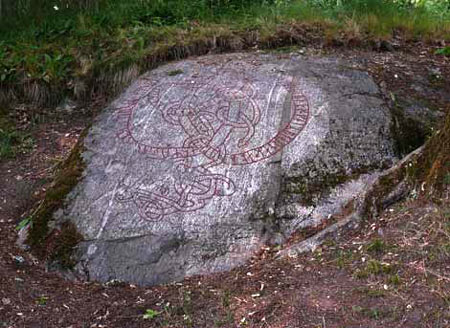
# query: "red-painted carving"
{"type": "Point", "coordinates": [218, 119]}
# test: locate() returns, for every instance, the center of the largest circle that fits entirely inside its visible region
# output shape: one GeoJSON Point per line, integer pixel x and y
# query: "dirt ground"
{"type": "Point", "coordinates": [392, 272]}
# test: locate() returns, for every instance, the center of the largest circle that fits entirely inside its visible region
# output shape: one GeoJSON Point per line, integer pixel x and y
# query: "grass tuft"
{"type": "Point", "coordinates": [373, 268]}
{"type": "Point", "coordinates": [377, 246]}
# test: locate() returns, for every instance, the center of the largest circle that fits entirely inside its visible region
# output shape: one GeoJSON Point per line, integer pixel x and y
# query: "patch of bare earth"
{"type": "Point", "coordinates": [392, 272]}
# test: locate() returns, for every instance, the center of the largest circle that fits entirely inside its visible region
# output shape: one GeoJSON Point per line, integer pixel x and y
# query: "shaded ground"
{"type": "Point", "coordinates": [394, 272]}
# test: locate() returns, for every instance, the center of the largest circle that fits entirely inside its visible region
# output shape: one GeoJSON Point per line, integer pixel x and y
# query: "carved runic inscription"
{"type": "Point", "coordinates": [213, 121]}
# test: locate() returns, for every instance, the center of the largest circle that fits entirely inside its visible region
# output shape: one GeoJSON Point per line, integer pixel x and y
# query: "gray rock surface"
{"type": "Point", "coordinates": [202, 162]}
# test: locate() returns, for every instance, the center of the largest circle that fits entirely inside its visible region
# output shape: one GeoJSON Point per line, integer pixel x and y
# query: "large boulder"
{"type": "Point", "coordinates": [202, 162]}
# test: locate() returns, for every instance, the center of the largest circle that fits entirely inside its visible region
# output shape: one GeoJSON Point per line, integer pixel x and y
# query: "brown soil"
{"type": "Point", "coordinates": [393, 272]}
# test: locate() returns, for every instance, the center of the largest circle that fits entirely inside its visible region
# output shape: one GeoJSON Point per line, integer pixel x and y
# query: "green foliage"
{"type": "Point", "coordinates": [376, 246]}
{"type": "Point", "coordinates": [433, 5]}
{"type": "Point", "coordinates": [373, 268]}
{"type": "Point", "coordinates": [6, 144]}
{"type": "Point", "coordinates": [394, 279]}
{"type": "Point", "coordinates": [376, 313]}
{"type": "Point", "coordinates": [447, 178]}
{"type": "Point", "coordinates": [59, 50]}
{"type": "Point", "coordinates": [23, 223]}
{"type": "Point", "coordinates": [13, 142]}
{"type": "Point", "coordinates": [42, 300]}
{"type": "Point", "coordinates": [443, 51]}
{"type": "Point", "coordinates": [54, 67]}
{"type": "Point", "coordinates": [371, 5]}
{"type": "Point", "coordinates": [57, 17]}
{"type": "Point", "coordinates": [150, 314]}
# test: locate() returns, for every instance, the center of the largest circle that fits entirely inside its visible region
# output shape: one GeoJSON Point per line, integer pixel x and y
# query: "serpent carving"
{"type": "Point", "coordinates": [219, 120]}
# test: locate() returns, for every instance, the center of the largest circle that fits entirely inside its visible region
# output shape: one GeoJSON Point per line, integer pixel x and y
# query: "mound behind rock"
{"type": "Point", "coordinates": [202, 162]}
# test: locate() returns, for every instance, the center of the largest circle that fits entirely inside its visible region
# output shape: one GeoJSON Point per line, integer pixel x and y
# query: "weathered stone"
{"type": "Point", "coordinates": [201, 162]}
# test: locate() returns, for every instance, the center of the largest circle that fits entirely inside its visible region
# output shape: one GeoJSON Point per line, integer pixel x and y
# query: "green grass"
{"type": "Point", "coordinates": [376, 246]}
{"type": "Point", "coordinates": [373, 312]}
{"type": "Point", "coordinates": [12, 141]}
{"type": "Point", "coordinates": [373, 268]}
{"type": "Point", "coordinates": [6, 144]}
{"type": "Point", "coordinates": [443, 51]}
{"type": "Point", "coordinates": [48, 54]}
{"type": "Point", "coordinates": [150, 314]}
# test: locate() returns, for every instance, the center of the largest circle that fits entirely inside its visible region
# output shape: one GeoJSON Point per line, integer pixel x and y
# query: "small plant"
{"type": "Point", "coordinates": [343, 258]}
{"type": "Point", "coordinates": [443, 51]}
{"type": "Point", "coordinates": [372, 313]}
{"type": "Point", "coordinates": [394, 279]}
{"type": "Point", "coordinates": [226, 298]}
{"type": "Point", "coordinates": [7, 140]}
{"type": "Point", "coordinates": [23, 223]}
{"type": "Point", "coordinates": [446, 215]}
{"type": "Point", "coordinates": [373, 268]}
{"type": "Point", "coordinates": [187, 308]}
{"type": "Point", "coordinates": [42, 300]}
{"type": "Point", "coordinates": [371, 292]}
{"type": "Point", "coordinates": [150, 314]}
{"type": "Point", "coordinates": [376, 246]}
{"type": "Point", "coordinates": [447, 179]}
{"type": "Point", "coordinates": [357, 308]}
{"type": "Point", "coordinates": [375, 293]}
{"type": "Point", "coordinates": [13, 142]}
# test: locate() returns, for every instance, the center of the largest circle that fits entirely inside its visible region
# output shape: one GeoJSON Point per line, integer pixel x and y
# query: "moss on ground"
{"type": "Point", "coordinates": [57, 244]}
